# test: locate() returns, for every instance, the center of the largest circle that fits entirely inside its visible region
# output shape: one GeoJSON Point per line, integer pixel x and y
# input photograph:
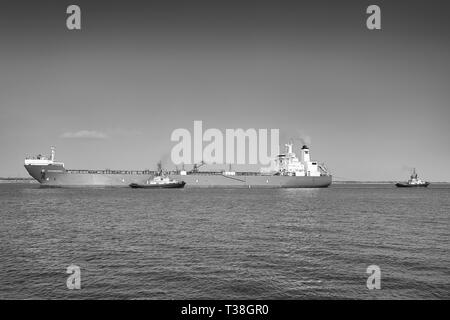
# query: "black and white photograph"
{"type": "Point", "coordinates": [224, 155]}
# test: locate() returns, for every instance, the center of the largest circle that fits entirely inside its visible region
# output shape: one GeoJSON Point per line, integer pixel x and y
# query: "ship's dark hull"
{"type": "Point", "coordinates": [407, 185]}
{"type": "Point", "coordinates": [57, 176]}
{"type": "Point", "coordinates": [172, 185]}
{"type": "Point", "coordinates": [202, 180]}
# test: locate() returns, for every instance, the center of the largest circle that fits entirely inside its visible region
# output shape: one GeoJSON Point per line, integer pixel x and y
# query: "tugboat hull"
{"type": "Point", "coordinates": [174, 185]}
{"type": "Point", "coordinates": [246, 181]}
{"type": "Point", "coordinates": [407, 185]}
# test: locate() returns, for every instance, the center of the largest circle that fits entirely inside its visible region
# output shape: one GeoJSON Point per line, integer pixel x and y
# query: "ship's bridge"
{"type": "Point", "coordinates": [41, 162]}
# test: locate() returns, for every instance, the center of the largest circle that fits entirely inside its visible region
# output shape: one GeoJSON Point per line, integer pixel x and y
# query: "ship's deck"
{"type": "Point", "coordinates": [152, 172]}
{"type": "Point", "coordinates": [134, 172]}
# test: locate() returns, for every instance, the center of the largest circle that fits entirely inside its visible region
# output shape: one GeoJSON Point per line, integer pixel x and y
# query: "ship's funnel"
{"type": "Point", "coordinates": [305, 156]}
{"type": "Point", "coordinates": [52, 157]}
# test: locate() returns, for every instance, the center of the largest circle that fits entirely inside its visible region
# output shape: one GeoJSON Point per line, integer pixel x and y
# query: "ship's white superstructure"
{"type": "Point", "coordinates": [415, 180]}
{"type": "Point", "coordinates": [289, 164]}
{"type": "Point", "coordinates": [41, 160]}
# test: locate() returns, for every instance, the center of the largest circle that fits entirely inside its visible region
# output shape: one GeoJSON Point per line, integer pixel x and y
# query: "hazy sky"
{"type": "Point", "coordinates": [373, 103]}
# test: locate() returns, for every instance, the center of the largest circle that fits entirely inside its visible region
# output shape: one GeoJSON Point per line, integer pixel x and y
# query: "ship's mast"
{"type": "Point", "coordinates": [289, 147]}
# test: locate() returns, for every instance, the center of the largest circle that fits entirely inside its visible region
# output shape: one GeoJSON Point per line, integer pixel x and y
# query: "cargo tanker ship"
{"type": "Point", "coordinates": [288, 172]}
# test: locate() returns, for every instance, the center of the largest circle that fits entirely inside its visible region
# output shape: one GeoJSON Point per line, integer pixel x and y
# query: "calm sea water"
{"type": "Point", "coordinates": [225, 244]}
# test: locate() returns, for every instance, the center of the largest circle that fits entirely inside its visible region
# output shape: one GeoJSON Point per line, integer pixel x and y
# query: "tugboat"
{"type": "Point", "coordinates": [158, 183]}
{"type": "Point", "coordinates": [413, 181]}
